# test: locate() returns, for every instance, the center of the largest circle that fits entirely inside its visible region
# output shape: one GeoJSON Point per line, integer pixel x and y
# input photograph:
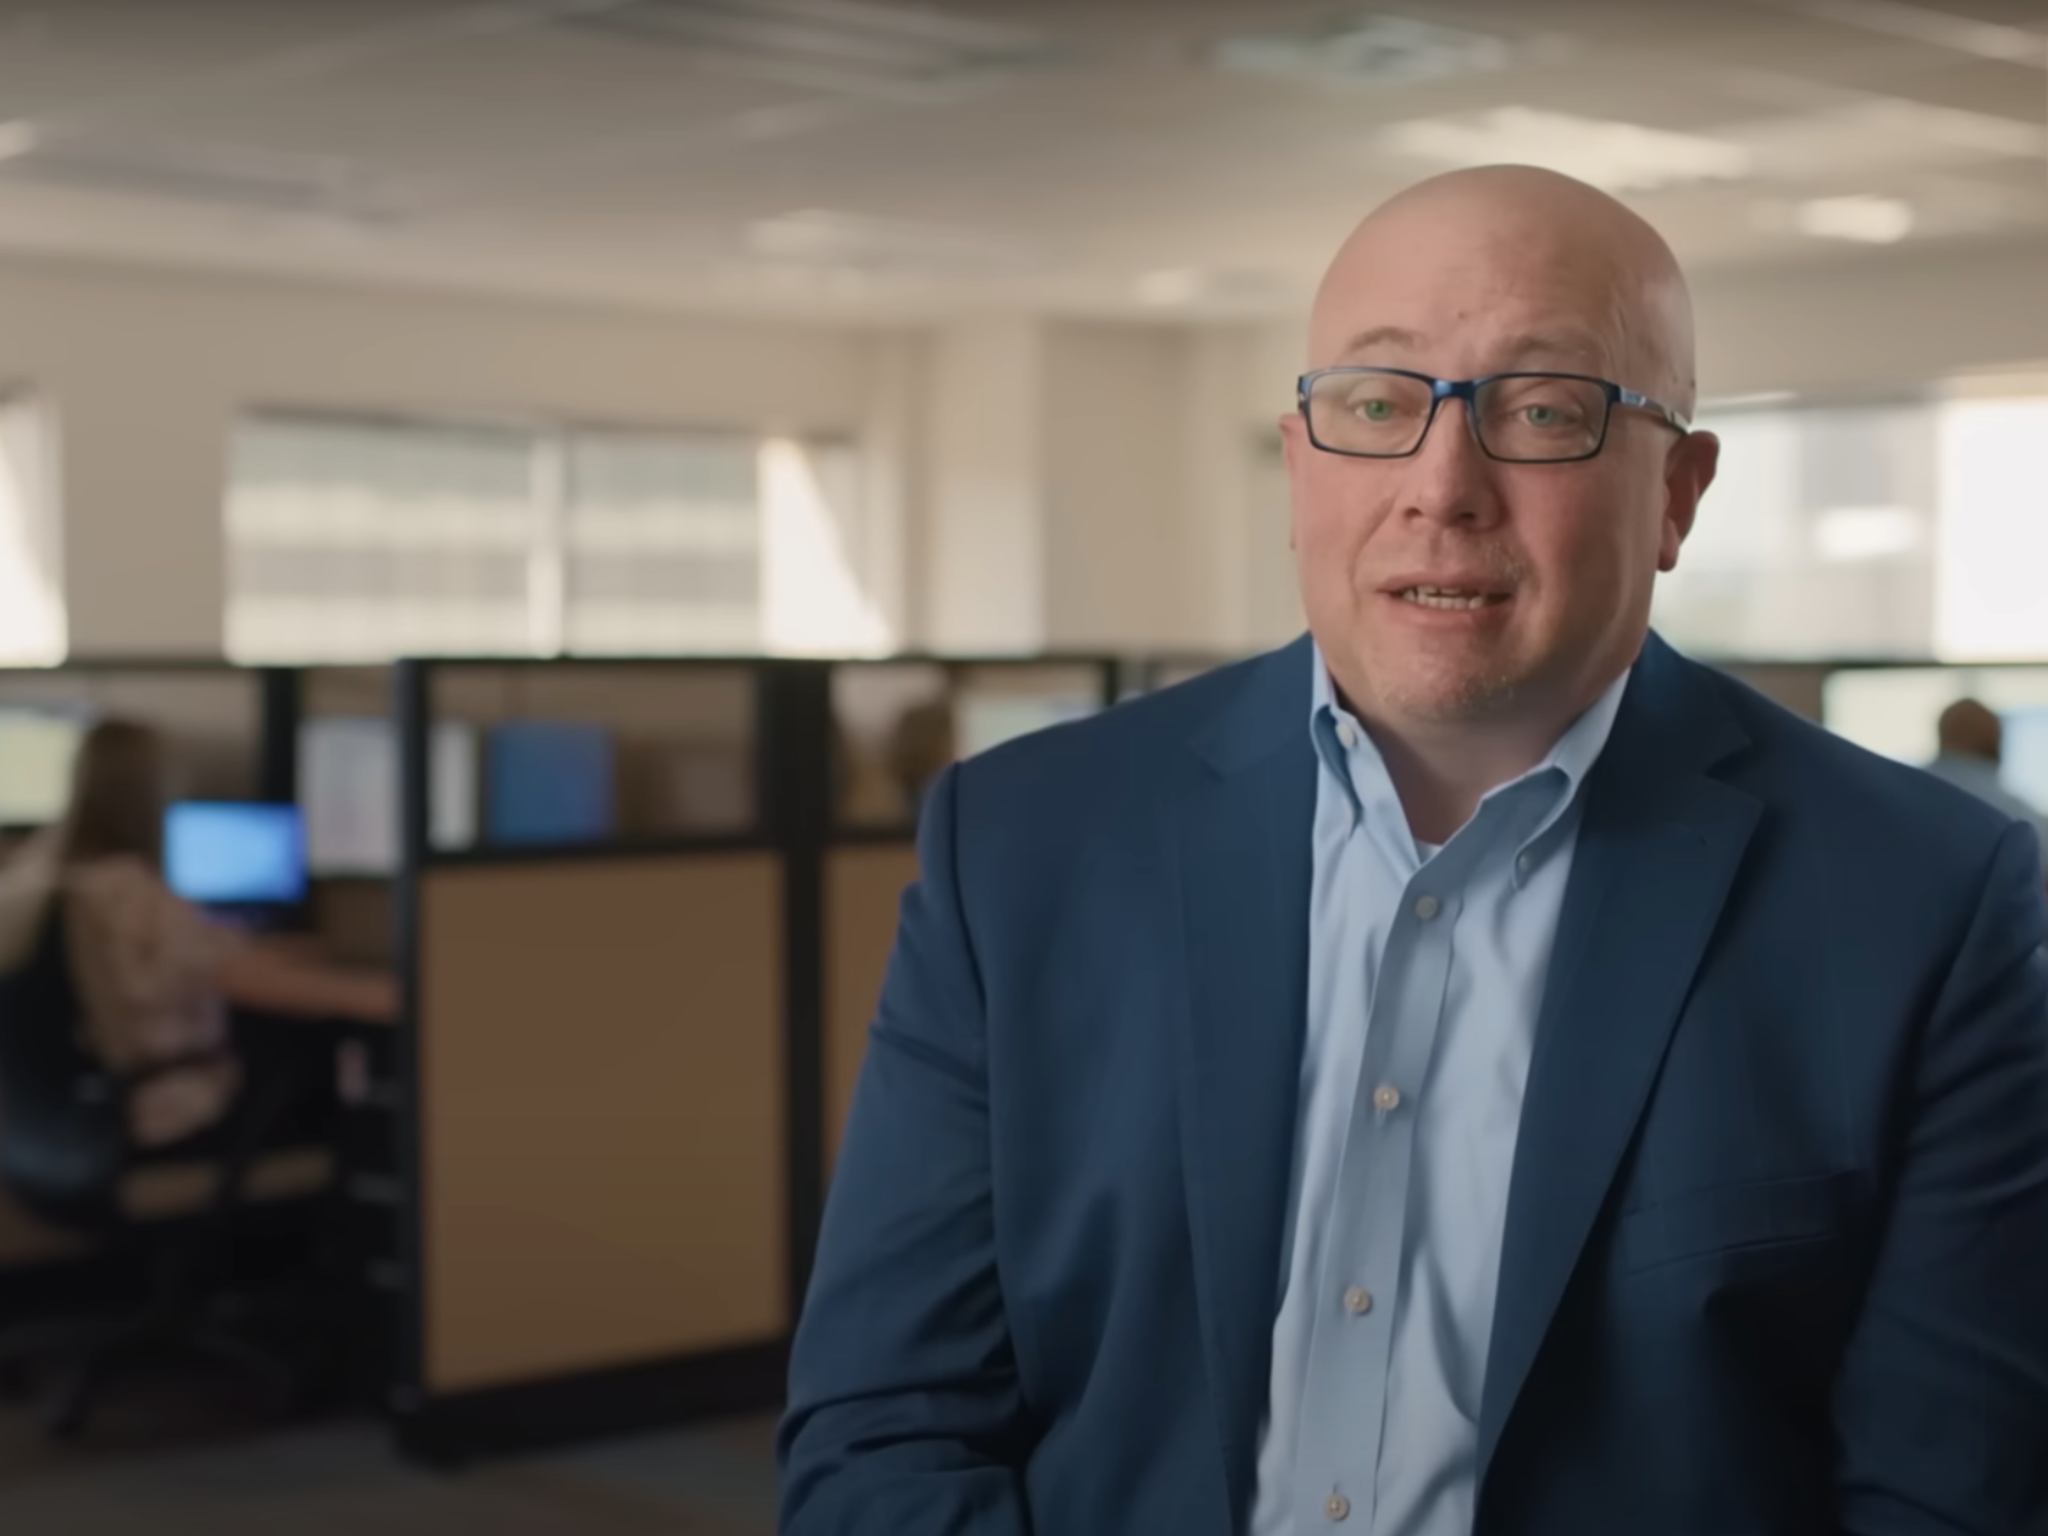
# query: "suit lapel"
{"type": "Point", "coordinates": [1658, 851]}
{"type": "Point", "coordinates": [1244, 843]}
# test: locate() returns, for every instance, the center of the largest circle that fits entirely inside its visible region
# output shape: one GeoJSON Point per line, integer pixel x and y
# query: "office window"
{"type": "Point", "coordinates": [663, 544]}
{"type": "Point", "coordinates": [359, 541]}
{"type": "Point", "coordinates": [1907, 530]}
{"type": "Point", "coordinates": [363, 540]}
{"type": "Point", "coordinates": [32, 616]}
{"type": "Point", "coordinates": [1816, 539]}
{"type": "Point", "coordinates": [1993, 551]}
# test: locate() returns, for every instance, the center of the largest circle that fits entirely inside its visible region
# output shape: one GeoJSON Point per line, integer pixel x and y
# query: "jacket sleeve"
{"type": "Point", "coordinates": [904, 1415]}
{"type": "Point", "coordinates": [1941, 1406]}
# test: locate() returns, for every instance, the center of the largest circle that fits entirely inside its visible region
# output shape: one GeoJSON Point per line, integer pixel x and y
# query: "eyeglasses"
{"type": "Point", "coordinates": [1517, 418]}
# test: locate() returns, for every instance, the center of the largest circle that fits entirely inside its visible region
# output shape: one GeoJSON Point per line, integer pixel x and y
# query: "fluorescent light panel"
{"type": "Point", "coordinates": [1616, 156]}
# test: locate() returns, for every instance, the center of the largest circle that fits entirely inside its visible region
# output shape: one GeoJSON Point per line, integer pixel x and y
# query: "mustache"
{"type": "Point", "coordinates": [1493, 563]}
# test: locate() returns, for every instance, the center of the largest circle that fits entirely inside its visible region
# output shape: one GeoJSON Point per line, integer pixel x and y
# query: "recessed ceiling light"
{"type": "Point", "coordinates": [1615, 156]}
{"type": "Point", "coordinates": [1367, 48]}
{"type": "Point", "coordinates": [1872, 220]}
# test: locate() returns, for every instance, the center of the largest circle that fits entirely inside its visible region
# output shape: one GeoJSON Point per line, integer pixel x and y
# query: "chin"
{"type": "Point", "coordinates": [1445, 691]}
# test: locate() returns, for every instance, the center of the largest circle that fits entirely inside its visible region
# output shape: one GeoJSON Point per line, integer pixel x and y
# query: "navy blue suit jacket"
{"type": "Point", "coordinates": [1777, 1236]}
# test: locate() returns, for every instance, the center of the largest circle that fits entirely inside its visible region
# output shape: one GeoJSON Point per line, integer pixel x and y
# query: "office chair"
{"type": "Point", "coordinates": [65, 1155]}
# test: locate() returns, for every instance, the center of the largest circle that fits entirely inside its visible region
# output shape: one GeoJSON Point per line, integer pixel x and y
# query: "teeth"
{"type": "Point", "coordinates": [1445, 597]}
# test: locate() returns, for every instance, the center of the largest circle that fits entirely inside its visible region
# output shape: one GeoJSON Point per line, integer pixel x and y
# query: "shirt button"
{"type": "Point", "coordinates": [1427, 907]}
{"type": "Point", "coordinates": [1358, 1301]}
{"type": "Point", "coordinates": [1347, 735]}
{"type": "Point", "coordinates": [1523, 864]}
{"type": "Point", "coordinates": [1386, 1098]}
{"type": "Point", "coordinates": [1337, 1507]}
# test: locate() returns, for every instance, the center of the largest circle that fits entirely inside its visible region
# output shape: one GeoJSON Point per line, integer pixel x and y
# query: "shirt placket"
{"type": "Point", "coordinates": [1351, 1344]}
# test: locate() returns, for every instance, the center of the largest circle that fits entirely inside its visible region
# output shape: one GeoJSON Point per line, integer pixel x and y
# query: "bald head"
{"type": "Point", "coordinates": [1557, 274]}
{"type": "Point", "coordinates": [1968, 729]}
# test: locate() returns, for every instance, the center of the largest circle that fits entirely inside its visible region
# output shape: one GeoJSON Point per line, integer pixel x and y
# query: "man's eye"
{"type": "Point", "coordinates": [1374, 410]}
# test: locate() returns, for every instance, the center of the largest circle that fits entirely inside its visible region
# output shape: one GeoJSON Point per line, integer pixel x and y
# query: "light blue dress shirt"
{"type": "Point", "coordinates": [1426, 972]}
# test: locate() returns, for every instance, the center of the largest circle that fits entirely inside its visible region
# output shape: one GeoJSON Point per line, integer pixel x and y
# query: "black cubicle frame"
{"type": "Point", "coordinates": [795, 819]}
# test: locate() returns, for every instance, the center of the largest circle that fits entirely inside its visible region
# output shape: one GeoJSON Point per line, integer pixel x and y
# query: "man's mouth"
{"type": "Point", "coordinates": [1450, 598]}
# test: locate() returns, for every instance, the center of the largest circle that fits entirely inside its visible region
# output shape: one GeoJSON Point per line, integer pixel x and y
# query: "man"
{"type": "Point", "coordinates": [1472, 1069]}
{"type": "Point", "coordinates": [1972, 748]}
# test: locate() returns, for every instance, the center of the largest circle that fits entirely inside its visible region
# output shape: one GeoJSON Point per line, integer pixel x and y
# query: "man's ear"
{"type": "Point", "coordinates": [1688, 471]}
{"type": "Point", "coordinates": [1293, 444]}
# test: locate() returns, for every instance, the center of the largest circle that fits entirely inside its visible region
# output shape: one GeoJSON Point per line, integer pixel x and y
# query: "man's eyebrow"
{"type": "Point", "coordinates": [1381, 336]}
{"type": "Point", "coordinates": [1555, 344]}
{"type": "Point", "coordinates": [1575, 345]}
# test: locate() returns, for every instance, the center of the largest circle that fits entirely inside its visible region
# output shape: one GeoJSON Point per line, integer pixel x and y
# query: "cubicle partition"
{"type": "Point", "coordinates": [609, 1074]}
{"type": "Point", "coordinates": [638, 985]}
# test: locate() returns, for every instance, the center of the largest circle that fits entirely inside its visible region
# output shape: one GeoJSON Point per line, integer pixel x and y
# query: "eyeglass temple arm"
{"type": "Point", "coordinates": [1645, 403]}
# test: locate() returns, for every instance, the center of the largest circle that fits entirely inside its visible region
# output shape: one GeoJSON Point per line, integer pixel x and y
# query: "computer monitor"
{"type": "Point", "coordinates": [548, 781]}
{"type": "Point", "coordinates": [348, 789]}
{"type": "Point", "coordinates": [230, 854]}
{"type": "Point", "coordinates": [36, 749]}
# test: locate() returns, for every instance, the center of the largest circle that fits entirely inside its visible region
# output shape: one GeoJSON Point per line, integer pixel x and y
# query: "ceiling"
{"type": "Point", "coordinates": [884, 157]}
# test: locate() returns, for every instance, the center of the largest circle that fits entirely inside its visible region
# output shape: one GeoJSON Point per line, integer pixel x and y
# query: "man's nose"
{"type": "Point", "coordinates": [1451, 479]}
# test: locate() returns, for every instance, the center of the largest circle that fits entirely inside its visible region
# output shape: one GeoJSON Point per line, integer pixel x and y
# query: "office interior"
{"type": "Point", "coordinates": [562, 478]}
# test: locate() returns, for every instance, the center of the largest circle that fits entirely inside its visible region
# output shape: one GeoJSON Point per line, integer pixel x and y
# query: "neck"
{"type": "Point", "coordinates": [1441, 769]}
{"type": "Point", "coordinates": [1441, 773]}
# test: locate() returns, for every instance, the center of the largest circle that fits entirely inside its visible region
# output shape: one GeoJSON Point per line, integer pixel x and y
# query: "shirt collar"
{"type": "Point", "coordinates": [1362, 772]}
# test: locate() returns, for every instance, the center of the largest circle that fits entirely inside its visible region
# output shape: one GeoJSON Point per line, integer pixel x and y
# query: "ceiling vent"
{"type": "Point", "coordinates": [209, 173]}
{"type": "Point", "coordinates": [880, 52]}
{"type": "Point", "coordinates": [1367, 49]}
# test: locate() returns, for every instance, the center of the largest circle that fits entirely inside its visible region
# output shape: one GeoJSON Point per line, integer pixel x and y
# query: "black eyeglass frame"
{"type": "Point", "coordinates": [1467, 390]}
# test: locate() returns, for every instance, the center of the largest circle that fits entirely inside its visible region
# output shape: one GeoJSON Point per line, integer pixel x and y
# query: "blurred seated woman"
{"type": "Point", "coordinates": [155, 977]}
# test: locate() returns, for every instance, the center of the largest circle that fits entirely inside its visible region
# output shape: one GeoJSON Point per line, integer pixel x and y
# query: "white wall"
{"type": "Point", "coordinates": [1123, 543]}
{"type": "Point", "coordinates": [1068, 484]}
{"type": "Point", "coordinates": [983, 571]}
{"type": "Point", "coordinates": [1899, 320]}
{"type": "Point", "coordinates": [147, 372]}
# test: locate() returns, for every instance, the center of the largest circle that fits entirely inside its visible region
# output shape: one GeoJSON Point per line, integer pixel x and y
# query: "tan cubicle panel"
{"type": "Point", "coordinates": [328, 693]}
{"type": "Point", "coordinates": [864, 886]}
{"type": "Point", "coordinates": [602, 1113]}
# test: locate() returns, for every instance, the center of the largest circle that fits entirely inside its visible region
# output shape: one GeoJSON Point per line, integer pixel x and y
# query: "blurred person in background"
{"type": "Point", "coordinates": [1971, 749]}
{"type": "Point", "coordinates": [156, 977]}
{"type": "Point", "coordinates": [1473, 1069]}
{"type": "Point", "coordinates": [923, 745]}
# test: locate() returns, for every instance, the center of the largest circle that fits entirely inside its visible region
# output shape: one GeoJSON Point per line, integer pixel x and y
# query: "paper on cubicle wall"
{"type": "Point", "coordinates": [348, 789]}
